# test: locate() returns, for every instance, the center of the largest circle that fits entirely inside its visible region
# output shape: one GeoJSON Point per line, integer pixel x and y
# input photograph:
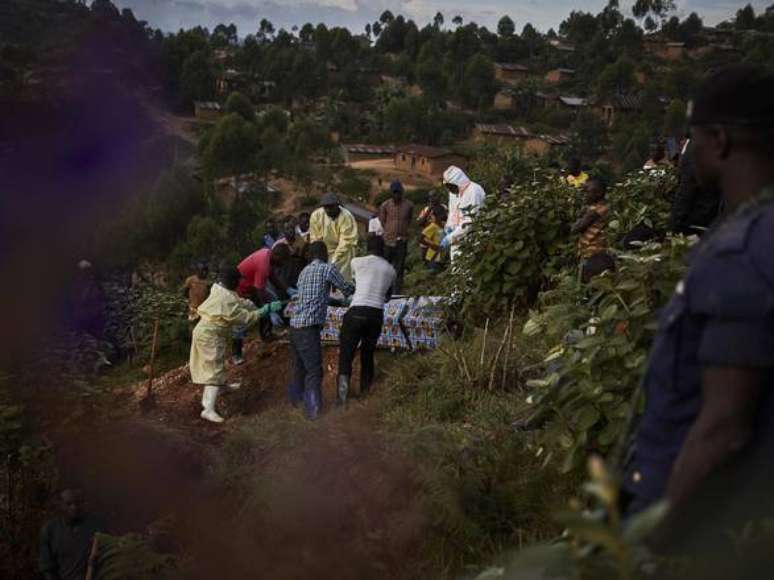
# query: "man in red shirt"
{"type": "Point", "coordinates": [259, 284]}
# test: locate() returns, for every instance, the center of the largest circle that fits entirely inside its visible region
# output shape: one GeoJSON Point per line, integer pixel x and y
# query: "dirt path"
{"type": "Point", "coordinates": [288, 499]}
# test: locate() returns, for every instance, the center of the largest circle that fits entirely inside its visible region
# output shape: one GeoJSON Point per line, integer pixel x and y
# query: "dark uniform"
{"type": "Point", "coordinates": [721, 315]}
{"type": "Point", "coordinates": [65, 548]}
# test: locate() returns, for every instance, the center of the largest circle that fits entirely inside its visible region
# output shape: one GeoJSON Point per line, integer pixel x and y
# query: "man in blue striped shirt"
{"type": "Point", "coordinates": [314, 289]}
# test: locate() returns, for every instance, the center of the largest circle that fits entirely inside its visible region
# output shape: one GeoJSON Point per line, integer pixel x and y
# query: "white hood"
{"type": "Point", "coordinates": [456, 176]}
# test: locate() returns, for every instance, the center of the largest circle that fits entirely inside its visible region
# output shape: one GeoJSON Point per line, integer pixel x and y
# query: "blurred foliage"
{"type": "Point", "coordinates": [130, 557]}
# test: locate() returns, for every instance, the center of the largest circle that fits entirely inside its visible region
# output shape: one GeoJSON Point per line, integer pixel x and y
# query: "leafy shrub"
{"type": "Point", "coordinates": [309, 200]}
{"type": "Point", "coordinates": [130, 558]}
{"type": "Point", "coordinates": [355, 185]}
{"type": "Point", "coordinates": [515, 245]}
{"type": "Point", "coordinates": [601, 334]}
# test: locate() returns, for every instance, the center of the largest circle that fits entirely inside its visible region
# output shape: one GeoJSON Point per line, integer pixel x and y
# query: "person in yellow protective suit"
{"type": "Point", "coordinates": [335, 226]}
{"type": "Point", "coordinates": [219, 314]}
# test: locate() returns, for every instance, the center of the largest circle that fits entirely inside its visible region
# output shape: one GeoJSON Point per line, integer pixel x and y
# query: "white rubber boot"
{"type": "Point", "coordinates": [209, 397]}
{"type": "Point", "coordinates": [235, 386]}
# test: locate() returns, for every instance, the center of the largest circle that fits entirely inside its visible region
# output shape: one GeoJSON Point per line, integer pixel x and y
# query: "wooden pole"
{"type": "Point", "coordinates": [154, 344]}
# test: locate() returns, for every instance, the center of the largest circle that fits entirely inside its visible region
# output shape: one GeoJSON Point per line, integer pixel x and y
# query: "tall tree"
{"type": "Point", "coordinates": [745, 18]}
{"type": "Point", "coordinates": [457, 20]}
{"type": "Point", "coordinates": [232, 148]}
{"type": "Point", "coordinates": [307, 32]}
{"type": "Point", "coordinates": [438, 20]}
{"type": "Point", "coordinates": [579, 27]}
{"type": "Point", "coordinates": [652, 11]}
{"type": "Point", "coordinates": [430, 76]}
{"type": "Point", "coordinates": [386, 17]}
{"type": "Point", "coordinates": [239, 104]}
{"type": "Point", "coordinates": [506, 27]}
{"type": "Point", "coordinates": [478, 83]}
{"type": "Point", "coordinates": [197, 78]}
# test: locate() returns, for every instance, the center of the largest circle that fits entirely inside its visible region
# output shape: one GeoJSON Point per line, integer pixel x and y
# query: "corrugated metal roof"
{"type": "Point", "coordinates": [207, 105]}
{"type": "Point", "coordinates": [574, 101]}
{"type": "Point", "coordinates": [505, 130]}
{"type": "Point", "coordinates": [424, 151]}
{"type": "Point", "coordinates": [371, 149]}
{"type": "Point", "coordinates": [512, 66]}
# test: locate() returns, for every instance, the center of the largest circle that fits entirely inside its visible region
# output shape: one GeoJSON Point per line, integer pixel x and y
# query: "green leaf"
{"type": "Point", "coordinates": [586, 418]}
{"type": "Point", "coordinates": [643, 524]}
{"type": "Point", "coordinates": [609, 312]}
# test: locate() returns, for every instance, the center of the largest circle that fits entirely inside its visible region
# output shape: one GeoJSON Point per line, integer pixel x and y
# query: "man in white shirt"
{"type": "Point", "coordinates": [374, 276]}
{"type": "Point", "coordinates": [465, 199]}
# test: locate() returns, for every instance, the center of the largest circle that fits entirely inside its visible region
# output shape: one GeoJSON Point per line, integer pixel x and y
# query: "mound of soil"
{"type": "Point", "coordinates": [338, 501]}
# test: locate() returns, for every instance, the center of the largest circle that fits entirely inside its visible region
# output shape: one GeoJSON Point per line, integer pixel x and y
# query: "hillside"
{"type": "Point", "coordinates": [146, 153]}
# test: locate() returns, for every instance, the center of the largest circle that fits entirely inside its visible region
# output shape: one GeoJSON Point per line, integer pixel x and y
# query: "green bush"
{"type": "Point", "coordinates": [586, 397]}
{"type": "Point", "coordinates": [516, 246]}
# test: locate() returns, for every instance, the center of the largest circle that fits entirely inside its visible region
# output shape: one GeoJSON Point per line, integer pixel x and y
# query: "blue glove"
{"type": "Point", "coordinates": [445, 242]}
{"type": "Point", "coordinates": [292, 292]}
{"type": "Point", "coordinates": [447, 230]}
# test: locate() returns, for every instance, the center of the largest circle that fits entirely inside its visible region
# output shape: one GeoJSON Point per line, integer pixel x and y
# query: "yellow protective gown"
{"type": "Point", "coordinates": [219, 314]}
{"type": "Point", "coordinates": [340, 237]}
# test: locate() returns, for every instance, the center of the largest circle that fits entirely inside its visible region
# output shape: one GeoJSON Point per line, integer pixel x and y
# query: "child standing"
{"type": "Point", "coordinates": [592, 244]}
{"type": "Point", "coordinates": [430, 242]}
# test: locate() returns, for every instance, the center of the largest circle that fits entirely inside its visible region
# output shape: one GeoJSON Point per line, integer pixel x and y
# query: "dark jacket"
{"type": "Point", "coordinates": [693, 209]}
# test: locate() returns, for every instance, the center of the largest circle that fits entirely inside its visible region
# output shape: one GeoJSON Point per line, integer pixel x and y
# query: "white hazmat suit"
{"type": "Point", "coordinates": [462, 206]}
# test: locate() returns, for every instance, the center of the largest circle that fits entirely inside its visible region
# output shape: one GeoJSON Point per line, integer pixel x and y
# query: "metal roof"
{"type": "Point", "coordinates": [574, 101]}
{"type": "Point", "coordinates": [370, 149]}
{"type": "Point", "coordinates": [207, 105]}
{"type": "Point", "coordinates": [512, 66]}
{"type": "Point", "coordinates": [520, 133]}
{"type": "Point", "coordinates": [424, 151]}
{"type": "Point", "coordinates": [505, 130]}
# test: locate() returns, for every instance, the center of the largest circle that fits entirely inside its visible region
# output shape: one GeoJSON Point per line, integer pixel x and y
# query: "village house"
{"type": "Point", "coordinates": [613, 108]}
{"type": "Point", "coordinates": [231, 80]}
{"type": "Point", "coordinates": [559, 75]}
{"type": "Point", "coordinates": [208, 111]}
{"type": "Point", "coordinates": [673, 51]}
{"type": "Point", "coordinates": [562, 46]}
{"type": "Point", "coordinates": [227, 189]}
{"type": "Point", "coordinates": [574, 104]}
{"type": "Point", "coordinates": [424, 159]}
{"type": "Point", "coordinates": [661, 47]}
{"type": "Point", "coordinates": [505, 100]}
{"type": "Point", "coordinates": [530, 143]}
{"type": "Point", "coordinates": [499, 134]}
{"type": "Point", "coordinates": [510, 73]}
{"type": "Point", "coordinates": [355, 152]}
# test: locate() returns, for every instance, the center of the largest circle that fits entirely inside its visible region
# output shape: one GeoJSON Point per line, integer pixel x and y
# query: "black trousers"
{"type": "Point", "coordinates": [362, 326]}
{"type": "Point", "coordinates": [396, 255]}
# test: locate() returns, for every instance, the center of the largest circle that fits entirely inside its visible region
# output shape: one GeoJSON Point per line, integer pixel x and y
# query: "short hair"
{"type": "Point", "coordinates": [318, 251]}
{"type": "Point", "coordinates": [280, 253]}
{"type": "Point", "coordinates": [229, 277]}
{"type": "Point", "coordinates": [375, 245]}
{"type": "Point", "coordinates": [305, 214]}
